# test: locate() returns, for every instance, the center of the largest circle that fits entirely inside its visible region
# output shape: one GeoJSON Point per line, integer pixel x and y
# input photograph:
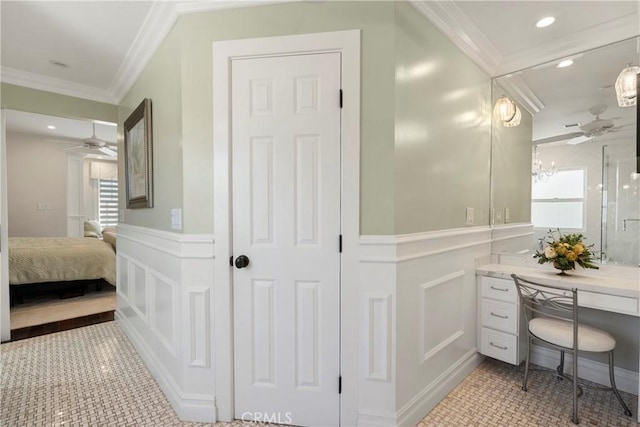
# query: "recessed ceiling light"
{"type": "Point", "coordinates": [565, 63]}
{"type": "Point", "coordinates": [545, 22]}
{"type": "Point", "coordinates": [57, 63]}
{"type": "Point", "coordinates": [51, 127]}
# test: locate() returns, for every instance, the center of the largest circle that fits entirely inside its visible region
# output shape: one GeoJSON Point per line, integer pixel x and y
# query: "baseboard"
{"type": "Point", "coordinates": [588, 369]}
{"type": "Point", "coordinates": [411, 413]}
{"type": "Point", "coordinates": [196, 408]}
{"type": "Point", "coordinates": [376, 419]}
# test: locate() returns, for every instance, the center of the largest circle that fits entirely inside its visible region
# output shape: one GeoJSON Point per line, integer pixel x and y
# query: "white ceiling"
{"type": "Point", "coordinates": [107, 43]}
{"type": "Point", "coordinates": [92, 38]}
{"type": "Point", "coordinates": [66, 130]}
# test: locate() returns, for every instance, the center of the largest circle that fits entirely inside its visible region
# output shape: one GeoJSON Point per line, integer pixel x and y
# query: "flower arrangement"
{"type": "Point", "coordinates": [565, 251]}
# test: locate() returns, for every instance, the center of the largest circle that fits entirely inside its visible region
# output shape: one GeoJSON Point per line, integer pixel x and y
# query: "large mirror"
{"type": "Point", "coordinates": [570, 161]}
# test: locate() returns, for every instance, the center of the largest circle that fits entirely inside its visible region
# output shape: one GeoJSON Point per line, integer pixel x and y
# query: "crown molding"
{"type": "Point", "coordinates": [50, 84]}
{"type": "Point", "coordinates": [156, 26]}
{"type": "Point", "coordinates": [445, 15]}
{"type": "Point", "coordinates": [461, 31]}
{"type": "Point", "coordinates": [161, 18]}
{"type": "Point", "coordinates": [613, 31]}
{"type": "Point", "coordinates": [520, 92]}
{"type": "Point", "coordinates": [209, 5]}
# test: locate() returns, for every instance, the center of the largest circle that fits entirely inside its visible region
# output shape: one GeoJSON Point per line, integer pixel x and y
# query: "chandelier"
{"type": "Point", "coordinates": [539, 173]}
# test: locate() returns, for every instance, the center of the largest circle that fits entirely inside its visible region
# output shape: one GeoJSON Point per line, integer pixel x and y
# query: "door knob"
{"type": "Point", "coordinates": [242, 261]}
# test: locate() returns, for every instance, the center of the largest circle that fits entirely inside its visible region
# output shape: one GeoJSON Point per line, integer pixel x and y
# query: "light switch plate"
{"type": "Point", "coordinates": [507, 216]}
{"type": "Point", "coordinates": [176, 219]}
{"type": "Point", "coordinates": [469, 220]}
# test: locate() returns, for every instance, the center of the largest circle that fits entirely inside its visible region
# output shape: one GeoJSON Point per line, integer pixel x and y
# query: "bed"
{"type": "Point", "coordinates": [59, 261]}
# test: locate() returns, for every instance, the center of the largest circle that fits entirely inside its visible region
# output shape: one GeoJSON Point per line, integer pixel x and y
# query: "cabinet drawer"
{"type": "Point", "coordinates": [500, 315]}
{"type": "Point", "coordinates": [500, 289]}
{"type": "Point", "coordinates": [500, 345]}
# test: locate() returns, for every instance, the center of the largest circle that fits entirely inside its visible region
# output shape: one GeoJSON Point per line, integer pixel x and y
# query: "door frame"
{"type": "Point", "coordinates": [348, 44]}
{"type": "Point", "coordinates": [5, 316]}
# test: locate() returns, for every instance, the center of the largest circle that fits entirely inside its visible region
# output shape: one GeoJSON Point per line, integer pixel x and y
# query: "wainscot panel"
{"type": "Point", "coordinates": [164, 307]}
{"type": "Point", "coordinates": [418, 327]}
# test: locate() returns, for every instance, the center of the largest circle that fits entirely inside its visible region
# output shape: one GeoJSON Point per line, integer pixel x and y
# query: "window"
{"type": "Point", "coordinates": [108, 202]}
{"type": "Point", "coordinates": [559, 202]}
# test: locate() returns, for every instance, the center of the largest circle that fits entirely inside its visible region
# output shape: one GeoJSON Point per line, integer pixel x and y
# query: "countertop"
{"type": "Point", "coordinates": [585, 279]}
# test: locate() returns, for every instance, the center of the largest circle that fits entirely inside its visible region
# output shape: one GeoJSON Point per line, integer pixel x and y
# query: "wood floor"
{"type": "Point", "coordinates": [48, 314]}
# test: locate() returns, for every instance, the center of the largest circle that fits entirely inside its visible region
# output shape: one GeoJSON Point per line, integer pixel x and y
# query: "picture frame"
{"type": "Point", "coordinates": [138, 159]}
{"type": "Point", "coordinates": [637, 125]}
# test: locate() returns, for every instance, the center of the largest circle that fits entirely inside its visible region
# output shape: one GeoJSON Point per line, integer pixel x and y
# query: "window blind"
{"type": "Point", "coordinates": [108, 203]}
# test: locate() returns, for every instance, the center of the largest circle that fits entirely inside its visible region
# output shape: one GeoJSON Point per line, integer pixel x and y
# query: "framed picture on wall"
{"type": "Point", "coordinates": [138, 148]}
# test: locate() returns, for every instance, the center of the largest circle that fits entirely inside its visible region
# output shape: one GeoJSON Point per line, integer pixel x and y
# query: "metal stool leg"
{"type": "Point", "coordinates": [627, 411]}
{"type": "Point", "coordinates": [560, 368]}
{"type": "Point", "coordinates": [526, 365]}
{"type": "Point", "coordinates": [574, 418]}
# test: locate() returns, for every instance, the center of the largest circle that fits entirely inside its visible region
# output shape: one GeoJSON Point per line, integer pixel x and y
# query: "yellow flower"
{"type": "Point", "coordinates": [571, 256]}
{"type": "Point", "coordinates": [578, 248]}
{"type": "Point", "coordinates": [561, 250]}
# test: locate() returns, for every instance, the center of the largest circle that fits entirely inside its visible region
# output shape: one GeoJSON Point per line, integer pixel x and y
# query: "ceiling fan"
{"type": "Point", "coordinates": [594, 128]}
{"type": "Point", "coordinates": [95, 143]}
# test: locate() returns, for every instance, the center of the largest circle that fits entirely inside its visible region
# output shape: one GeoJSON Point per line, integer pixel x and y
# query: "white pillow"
{"type": "Point", "coordinates": [92, 229]}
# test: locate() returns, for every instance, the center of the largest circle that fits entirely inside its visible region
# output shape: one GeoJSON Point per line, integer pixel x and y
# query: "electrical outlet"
{"type": "Point", "coordinates": [469, 220]}
{"type": "Point", "coordinates": [41, 206]}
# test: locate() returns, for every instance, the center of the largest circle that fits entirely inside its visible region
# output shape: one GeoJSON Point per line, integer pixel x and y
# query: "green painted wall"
{"type": "Point", "coordinates": [425, 124]}
{"type": "Point", "coordinates": [442, 130]}
{"type": "Point", "coordinates": [199, 31]}
{"type": "Point", "coordinates": [179, 81]}
{"type": "Point", "coordinates": [37, 101]}
{"type": "Point", "coordinates": [161, 81]}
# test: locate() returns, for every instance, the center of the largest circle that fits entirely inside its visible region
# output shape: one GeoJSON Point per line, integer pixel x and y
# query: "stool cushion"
{"type": "Point", "coordinates": [560, 332]}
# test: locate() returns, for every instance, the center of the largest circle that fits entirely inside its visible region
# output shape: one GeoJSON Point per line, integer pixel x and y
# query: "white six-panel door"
{"type": "Point", "coordinates": [286, 221]}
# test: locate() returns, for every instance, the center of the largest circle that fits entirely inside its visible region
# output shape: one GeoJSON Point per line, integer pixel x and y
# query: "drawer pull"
{"type": "Point", "coordinates": [499, 315]}
{"type": "Point", "coordinates": [497, 346]}
{"type": "Point", "coordinates": [499, 289]}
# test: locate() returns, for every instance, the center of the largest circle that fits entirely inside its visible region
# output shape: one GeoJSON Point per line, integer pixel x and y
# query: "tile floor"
{"type": "Point", "coordinates": [93, 376]}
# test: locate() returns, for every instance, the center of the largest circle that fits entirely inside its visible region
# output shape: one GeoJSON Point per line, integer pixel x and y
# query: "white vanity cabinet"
{"type": "Point", "coordinates": [501, 334]}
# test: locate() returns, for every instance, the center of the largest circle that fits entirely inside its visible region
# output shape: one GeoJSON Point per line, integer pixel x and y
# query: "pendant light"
{"type": "Point", "coordinates": [504, 110]}
{"type": "Point", "coordinates": [626, 86]}
{"type": "Point", "coordinates": [515, 121]}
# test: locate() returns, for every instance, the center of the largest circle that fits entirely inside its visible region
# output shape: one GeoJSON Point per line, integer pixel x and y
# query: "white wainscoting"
{"type": "Point", "coordinates": [418, 320]}
{"type": "Point", "coordinates": [513, 238]}
{"type": "Point", "coordinates": [164, 296]}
